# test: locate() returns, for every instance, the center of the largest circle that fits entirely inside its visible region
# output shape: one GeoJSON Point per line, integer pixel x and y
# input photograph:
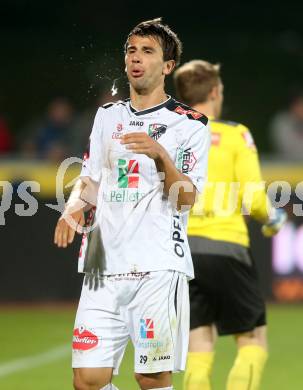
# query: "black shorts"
{"type": "Point", "coordinates": [225, 292]}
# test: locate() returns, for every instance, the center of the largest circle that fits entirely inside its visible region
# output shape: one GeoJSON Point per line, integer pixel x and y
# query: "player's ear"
{"type": "Point", "coordinates": [168, 67]}
{"type": "Point", "coordinates": [214, 93]}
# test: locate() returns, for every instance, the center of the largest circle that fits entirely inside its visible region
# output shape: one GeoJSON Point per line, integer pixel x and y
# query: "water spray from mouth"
{"type": "Point", "coordinates": [114, 89]}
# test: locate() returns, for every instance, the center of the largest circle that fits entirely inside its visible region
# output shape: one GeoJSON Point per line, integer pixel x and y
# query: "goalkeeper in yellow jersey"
{"type": "Point", "coordinates": [225, 294]}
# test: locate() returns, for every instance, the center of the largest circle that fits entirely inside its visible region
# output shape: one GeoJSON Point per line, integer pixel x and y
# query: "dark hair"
{"type": "Point", "coordinates": [170, 43]}
{"type": "Point", "coordinates": [195, 80]}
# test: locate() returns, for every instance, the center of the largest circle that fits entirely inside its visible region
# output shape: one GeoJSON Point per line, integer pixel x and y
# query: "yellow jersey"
{"type": "Point", "coordinates": [234, 187]}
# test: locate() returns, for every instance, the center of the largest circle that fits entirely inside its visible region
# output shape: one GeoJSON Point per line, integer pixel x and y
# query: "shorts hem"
{"type": "Point", "coordinates": [156, 369]}
{"type": "Point", "coordinates": [238, 331]}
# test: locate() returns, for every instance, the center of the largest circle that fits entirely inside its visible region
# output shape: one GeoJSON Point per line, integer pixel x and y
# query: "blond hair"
{"type": "Point", "coordinates": [194, 81]}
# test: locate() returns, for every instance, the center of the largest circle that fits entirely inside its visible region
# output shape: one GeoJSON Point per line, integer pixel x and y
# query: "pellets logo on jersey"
{"type": "Point", "coordinates": [128, 171]}
{"type": "Point", "coordinates": [146, 328]}
{"type": "Point", "coordinates": [84, 340]}
{"type": "Point", "coordinates": [155, 130]}
{"type": "Point", "coordinates": [194, 114]}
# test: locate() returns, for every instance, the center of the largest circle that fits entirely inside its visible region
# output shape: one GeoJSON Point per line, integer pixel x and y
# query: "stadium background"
{"type": "Point", "coordinates": [74, 50]}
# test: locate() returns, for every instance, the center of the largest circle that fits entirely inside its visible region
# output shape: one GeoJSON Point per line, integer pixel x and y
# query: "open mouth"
{"type": "Point", "coordinates": [137, 73]}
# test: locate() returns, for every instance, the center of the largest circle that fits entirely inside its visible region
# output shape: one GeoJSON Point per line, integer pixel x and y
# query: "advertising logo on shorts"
{"type": "Point", "coordinates": [147, 328]}
{"type": "Point", "coordinates": [128, 173]}
{"type": "Point", "coordinates": [84, 340]}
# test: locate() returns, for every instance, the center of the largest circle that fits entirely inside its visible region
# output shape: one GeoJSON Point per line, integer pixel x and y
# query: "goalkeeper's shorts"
{"type": "Point", "coordinates": [226, 292]}
{"type": "Point", "coordinates": [151, 309]}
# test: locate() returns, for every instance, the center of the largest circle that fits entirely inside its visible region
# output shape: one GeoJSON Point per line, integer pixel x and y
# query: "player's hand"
{"type": "Point", "coordinates": [142, 143]}
{"type": "Point", "coordinates": [276, 220]}
{"type": "Point", "coordinates": [68, 224]}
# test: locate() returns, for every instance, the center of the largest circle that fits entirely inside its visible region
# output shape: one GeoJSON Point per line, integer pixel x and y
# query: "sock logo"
{"type": "Point", "coordinates": [146, 328]}
{"type": "Point", "coordinates": [128, 171]}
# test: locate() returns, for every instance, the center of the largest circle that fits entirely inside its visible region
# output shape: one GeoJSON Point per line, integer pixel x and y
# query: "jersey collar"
{"type": "Point", "coordinates": [152, 109]}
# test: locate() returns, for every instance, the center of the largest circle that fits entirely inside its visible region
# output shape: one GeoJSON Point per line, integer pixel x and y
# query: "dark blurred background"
{"type": "Point", "coordinates": [73, 49]}
{"type": "Point", "coordinates": [59, 62]}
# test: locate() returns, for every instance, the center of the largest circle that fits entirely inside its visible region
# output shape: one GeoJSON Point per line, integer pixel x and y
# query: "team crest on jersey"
{"type": "Point", "coordinates": [155, 130]}
{"type": "Point", "coordinates": [146, 328]}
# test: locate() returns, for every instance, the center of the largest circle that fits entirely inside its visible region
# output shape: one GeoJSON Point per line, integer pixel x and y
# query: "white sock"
{"type": "Point", "coordinates": [110, 386]}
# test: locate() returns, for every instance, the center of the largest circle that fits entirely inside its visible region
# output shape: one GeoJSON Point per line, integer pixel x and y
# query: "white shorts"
{"type": "Point", "coordinates": [150, 308]}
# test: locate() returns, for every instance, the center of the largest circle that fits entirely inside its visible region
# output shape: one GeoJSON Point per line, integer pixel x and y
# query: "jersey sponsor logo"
{"type": "Point", "coordinates": [177, 237]}
{"type": "Point", "coordinates": [84, 340]}
{"type": "Point", "coordinates": [183, 111]}
{"type": "Point", "coordinates": [215, 139]}
{"type": "Point", "coordinates": [136, 123]}
{"type": "Point", "coordinates": [119, 127]}
{"type": "Point", "coordinates": [116, 135]}
{"type": "Point", "coordinates": [155, 130]}
{"type": "Point", "coordinates": [186, 160]}
{"type": "Point", "coordinates": [128, 173]}
{"type": "Point", "coordinates": [146, 328]}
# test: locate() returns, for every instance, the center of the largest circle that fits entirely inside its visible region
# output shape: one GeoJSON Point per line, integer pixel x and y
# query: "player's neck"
{"type": "Point", "coordinates": [206, 109]}
{"type": "Point", "coordinates": [143, 101]}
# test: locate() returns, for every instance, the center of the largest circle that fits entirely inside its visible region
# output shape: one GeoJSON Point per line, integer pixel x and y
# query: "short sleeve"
{"type": "Point", "coordinates": [92, 158]}
{"type": "Point", "coordinates": [192, 155]}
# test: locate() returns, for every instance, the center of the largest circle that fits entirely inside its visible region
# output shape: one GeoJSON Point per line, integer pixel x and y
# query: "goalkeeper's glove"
{"type": "Point", "coordinates": [275, 222]}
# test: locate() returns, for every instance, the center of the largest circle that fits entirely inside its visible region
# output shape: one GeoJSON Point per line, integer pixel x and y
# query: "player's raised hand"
{"type": "Point", "coordinates": [71, 221]}
{"type": "Point", "coordinates": [142, 143]}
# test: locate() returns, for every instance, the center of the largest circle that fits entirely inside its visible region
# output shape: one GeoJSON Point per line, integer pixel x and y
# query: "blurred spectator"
{"type": "Point", "coordinates": [6, 139]}
{"type": "Point", "coordinates": [51, 138]}
{"type": "Point", "coordinates": [286, 129]}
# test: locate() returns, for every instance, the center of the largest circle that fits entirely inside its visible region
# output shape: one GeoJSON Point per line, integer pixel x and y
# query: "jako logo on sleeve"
{"type": "Point", "coordinates": [147, 328]}
{"type": "Point", "coordinates": [128, 173]}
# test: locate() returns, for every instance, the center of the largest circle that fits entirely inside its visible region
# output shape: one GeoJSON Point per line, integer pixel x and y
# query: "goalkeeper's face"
{"type": "Point", "coordinates": [145, 65]}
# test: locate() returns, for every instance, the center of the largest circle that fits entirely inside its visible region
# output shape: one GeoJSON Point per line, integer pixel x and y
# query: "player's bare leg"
{"type": "Point", "coordinates": [92, 378]}
{"type": "Point", "coordinates": [158, 380]}
{"type": "Point", "coordinates": [200, 358]}
{"type": "Point", "coordinates": [250, 361]}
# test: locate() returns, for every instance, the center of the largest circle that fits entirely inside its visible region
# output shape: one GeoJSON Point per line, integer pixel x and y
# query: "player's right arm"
{"type": "Point", "coordinates": [84, 193]}
{"type": "Point", "coordinates": [72, 218]}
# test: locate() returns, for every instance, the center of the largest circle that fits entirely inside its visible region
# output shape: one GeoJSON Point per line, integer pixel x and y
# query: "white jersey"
{"type": "Point", "coordinates": [138, 228]}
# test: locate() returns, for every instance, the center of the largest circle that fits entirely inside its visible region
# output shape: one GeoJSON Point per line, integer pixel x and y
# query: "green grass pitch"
{"type": "Point", "coordinates": [28, 332]}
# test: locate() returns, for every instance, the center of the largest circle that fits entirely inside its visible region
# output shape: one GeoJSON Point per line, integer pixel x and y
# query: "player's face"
{"type": "Point", "coordinates": [145, 66]}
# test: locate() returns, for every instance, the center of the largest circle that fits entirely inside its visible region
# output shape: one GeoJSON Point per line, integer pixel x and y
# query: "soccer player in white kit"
{"type": "Point", "coordinates": [147, 158]}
